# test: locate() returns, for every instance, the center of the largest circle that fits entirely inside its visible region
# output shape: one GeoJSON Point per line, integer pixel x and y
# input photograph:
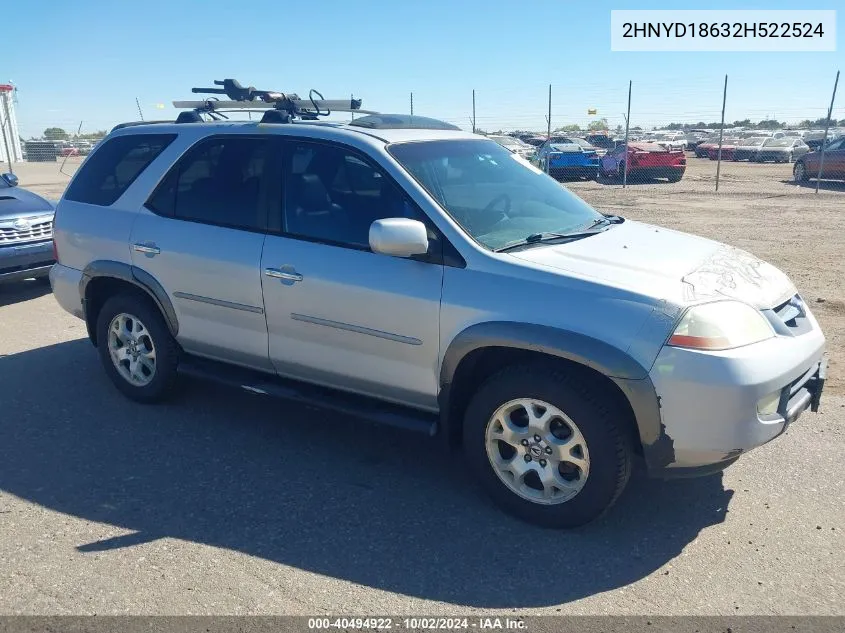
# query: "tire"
{"type": "Point", "coordinates": [149, 332]}
{"type": "Point", "coordinates": [603, 447]}
{"type": "Point", "coordinates": [799, 172]}
{"type": "Point", "coordinates": [675, 175]}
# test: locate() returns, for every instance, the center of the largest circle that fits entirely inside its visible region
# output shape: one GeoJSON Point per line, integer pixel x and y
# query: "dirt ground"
{"type": "Point", "coordinates": [757, 208]}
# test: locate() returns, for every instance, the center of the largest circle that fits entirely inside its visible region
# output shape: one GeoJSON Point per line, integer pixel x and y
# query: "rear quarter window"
{"type": "Point", "coordinates": [114, 166]}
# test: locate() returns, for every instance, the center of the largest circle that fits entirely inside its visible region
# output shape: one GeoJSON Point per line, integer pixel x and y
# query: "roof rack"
{"type": "Point", "coordinates": [279, 107]}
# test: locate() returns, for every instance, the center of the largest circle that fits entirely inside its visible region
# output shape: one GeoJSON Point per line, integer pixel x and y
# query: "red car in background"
{"type": "Point", "coordinates": [645, 161]}
{"type": "Point", "coordinates": [728, 147]}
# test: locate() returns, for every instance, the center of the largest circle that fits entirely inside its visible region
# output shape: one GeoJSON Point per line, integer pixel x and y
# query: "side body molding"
{"type": "Point", "coordinates": [629, 375]}
{"type": "Point", "coordinates": [132, 275]}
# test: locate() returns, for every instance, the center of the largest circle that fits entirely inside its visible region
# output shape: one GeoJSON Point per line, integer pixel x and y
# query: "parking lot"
{"type": "Point", "coordinates": [222, 502]}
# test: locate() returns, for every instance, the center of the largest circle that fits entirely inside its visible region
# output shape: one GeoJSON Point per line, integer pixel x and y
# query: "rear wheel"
{"type": "Point", "coordinates": [545, 448]}
{"type": "Point", "coordinates": [136, 348]}
{"type": "Point", "coordinates": [675, 175]}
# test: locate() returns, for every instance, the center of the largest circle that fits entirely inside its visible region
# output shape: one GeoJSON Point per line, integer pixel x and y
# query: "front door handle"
{"type": "Point", "coordinates": [282, 274]}
{"type": "Point", "coordinates": [147, 249]}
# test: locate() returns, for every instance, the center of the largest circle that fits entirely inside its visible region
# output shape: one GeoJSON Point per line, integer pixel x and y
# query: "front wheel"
{"type": "Point", "coordinates": [545, 448]}
{"type": "Point", "coordinates": [799, 172]}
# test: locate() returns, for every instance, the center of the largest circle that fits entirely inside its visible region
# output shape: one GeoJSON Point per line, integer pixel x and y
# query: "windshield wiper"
{"type": "Point", "coordinates": [549, 236]}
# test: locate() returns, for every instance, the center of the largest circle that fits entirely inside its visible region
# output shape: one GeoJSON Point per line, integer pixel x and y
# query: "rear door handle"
{"type": "Point", "coordinates": [147, 249]}
{"type": "Point", "coordinates": [282, 274]}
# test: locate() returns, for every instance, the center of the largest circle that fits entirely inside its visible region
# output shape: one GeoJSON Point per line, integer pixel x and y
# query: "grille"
{"type": "Point", "coordinates": [41, 230]}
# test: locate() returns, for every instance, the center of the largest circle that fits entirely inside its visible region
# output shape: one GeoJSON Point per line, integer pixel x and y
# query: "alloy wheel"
{"type": "Point", "coordinates": [537, 451]}
{"type": "Point", "coordinates": [132, 349]}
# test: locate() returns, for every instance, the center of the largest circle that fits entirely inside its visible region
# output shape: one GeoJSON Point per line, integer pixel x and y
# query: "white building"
{"type": "Point", "coordinates": [10, 139]}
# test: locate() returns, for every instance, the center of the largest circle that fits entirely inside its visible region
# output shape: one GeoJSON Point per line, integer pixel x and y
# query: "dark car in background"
{"type": "Point", "coordinates": [747, 148]}
{"type": "Point", "coordinates": [601, 141]}
{"type": "Point", "coordinates": [809, 165]}
{"type": "Point", "coordinates": [26, 232]}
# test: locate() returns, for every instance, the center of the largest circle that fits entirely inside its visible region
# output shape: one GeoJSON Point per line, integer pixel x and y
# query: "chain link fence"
{"type": "Point", "coordinates": [577, 133]}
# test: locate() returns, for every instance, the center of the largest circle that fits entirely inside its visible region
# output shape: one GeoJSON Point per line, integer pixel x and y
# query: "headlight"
{"type": "Point", "coordinates": [721, 325]}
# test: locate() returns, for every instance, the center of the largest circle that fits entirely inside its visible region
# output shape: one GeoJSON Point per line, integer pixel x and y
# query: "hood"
{"type": "Point", "coordinates": [16, 202]}
{"type": "Point", "coordinates": [666, 265]}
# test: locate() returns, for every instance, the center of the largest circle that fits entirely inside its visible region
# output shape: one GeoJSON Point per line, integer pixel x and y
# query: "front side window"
{"type": "Point", "coordinates": [496, 196]}
{"type": "Point", "coordinates": [218, 181]}
{"type": "Point", "coordinates": [114, 166]}
{"type": "Point", "coordinates": [333, 194]}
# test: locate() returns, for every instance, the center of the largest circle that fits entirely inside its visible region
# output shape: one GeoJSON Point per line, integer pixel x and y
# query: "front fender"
{"type": "Point", "coordinates": [628, 374]}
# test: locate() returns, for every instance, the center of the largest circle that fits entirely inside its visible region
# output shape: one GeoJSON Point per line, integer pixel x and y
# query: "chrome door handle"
{"type": "Point", "coordinates": [149, 249]}
{"type": "Point", "coordinates": [281, 274]}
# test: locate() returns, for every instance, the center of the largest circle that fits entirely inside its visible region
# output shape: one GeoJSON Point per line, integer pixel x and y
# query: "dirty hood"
{"type": "Point", "coordinates": [667, 265]}
{"type": "Point", "coordinates": [16, 202]}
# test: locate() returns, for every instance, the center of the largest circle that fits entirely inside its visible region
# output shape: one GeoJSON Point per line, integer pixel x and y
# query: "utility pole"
{"type": "Point", "coordinates": [549, 118]}
{"type": "Point", "coordinates": [4, 96]}
{"type": "Point", "coordinates": [412, 104]}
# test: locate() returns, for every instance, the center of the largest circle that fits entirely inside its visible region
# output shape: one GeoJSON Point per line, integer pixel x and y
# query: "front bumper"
{"type": "Point", "coordinates": [573, 171]}
{"type": "Point", "coordinates": [25, 261]}
{"type": "Point", "coordinates": [708, 400]}
{"type": "Point", "coordinates": [745, 154]}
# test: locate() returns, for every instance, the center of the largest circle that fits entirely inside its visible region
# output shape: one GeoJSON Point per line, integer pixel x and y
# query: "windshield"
{"type": "Point", "coordinates": [778, 142]}
{"type": "Point", "coordinates": [496, 196]}
{"type": "Point", "coordinates": [583, 143]}
{"type": "Point", "coordinates": [3, 184]}
{"type": "Point", "coordinates": [757, 140]}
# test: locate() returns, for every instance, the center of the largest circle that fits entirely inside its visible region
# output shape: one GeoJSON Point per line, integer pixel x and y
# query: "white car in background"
{"type": "Point", "coordinates": [671, 140]}
{"type": "Point", "coordinates": [514, 145]}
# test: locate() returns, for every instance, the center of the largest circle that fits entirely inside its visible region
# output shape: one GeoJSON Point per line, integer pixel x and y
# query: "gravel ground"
{"type": "Point", "coordinates": [224, 503]}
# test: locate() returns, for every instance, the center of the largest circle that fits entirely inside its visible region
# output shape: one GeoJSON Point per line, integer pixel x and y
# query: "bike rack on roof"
{"type": "Point", "coordinates": [278, 107]}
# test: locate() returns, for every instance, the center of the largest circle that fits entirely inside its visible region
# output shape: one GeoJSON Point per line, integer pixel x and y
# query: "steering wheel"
{"type": "Point", "coordinates": [492, 205]}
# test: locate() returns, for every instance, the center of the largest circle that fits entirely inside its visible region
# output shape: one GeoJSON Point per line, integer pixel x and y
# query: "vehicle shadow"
{"type": "Point", "coordinates": [366, 504]}
{"type": "Point", "coordinates": [23, 291]}
{"type": "Point", "coordinates": [824, 185]}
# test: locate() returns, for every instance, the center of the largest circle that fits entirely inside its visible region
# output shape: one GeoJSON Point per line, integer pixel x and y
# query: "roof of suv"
{"type": "Point", "coordinates": [337, 130]}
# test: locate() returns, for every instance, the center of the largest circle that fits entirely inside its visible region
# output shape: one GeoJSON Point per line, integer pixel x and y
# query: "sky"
{"type": "Point", "coordinates": [87, 61]}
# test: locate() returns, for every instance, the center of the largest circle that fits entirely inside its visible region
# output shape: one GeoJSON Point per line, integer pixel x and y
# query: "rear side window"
{"type": "Point", "coordinates": [115, 166]}
{"type": "Point", "coordinates": [218, 181]}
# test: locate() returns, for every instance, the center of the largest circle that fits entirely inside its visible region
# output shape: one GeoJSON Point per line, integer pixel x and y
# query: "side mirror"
{"type": "Point", "coordinates": [11, 179]}
{"type": "Point", "coordinates": [399, 237]}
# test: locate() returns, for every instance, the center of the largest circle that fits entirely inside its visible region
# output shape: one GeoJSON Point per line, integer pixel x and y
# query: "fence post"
{"type": "Point", "coordinates": [627, 126]}
{"type": "Point", "coordinates": [721, 133]}
{"type": "Point", "coordinates": [826, 127]}
{"type": "Point", "coordinates": [549, 119]}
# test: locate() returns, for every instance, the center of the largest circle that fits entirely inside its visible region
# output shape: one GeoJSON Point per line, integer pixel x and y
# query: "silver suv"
{"type": "Point", "coordinates": [425, 277]}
